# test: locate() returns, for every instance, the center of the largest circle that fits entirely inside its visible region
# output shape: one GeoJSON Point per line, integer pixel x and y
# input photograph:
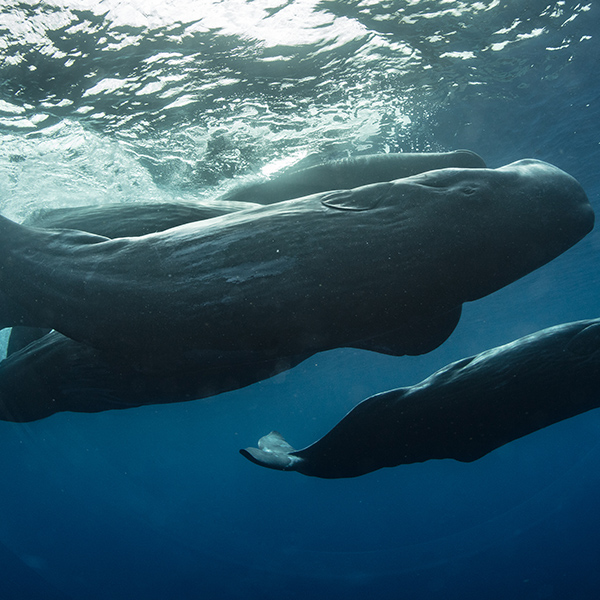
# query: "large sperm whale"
{"type": "Point", "coordinates": [464, 411]}
{"type": "Point", "coordinates": [340, 268]}
{"type": "Point", "coordinates": [384, 267]}
{"type": "Point", "coordinates": [138, 218]}
{"type": "Point", "coordinates": [333, 269]}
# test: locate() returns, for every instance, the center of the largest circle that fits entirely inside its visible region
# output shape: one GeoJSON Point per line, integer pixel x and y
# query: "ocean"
{"type": "Point", "coordinates": [133, 101]}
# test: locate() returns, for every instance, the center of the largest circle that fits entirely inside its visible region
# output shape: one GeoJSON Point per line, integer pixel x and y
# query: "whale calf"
{"type": "Point", "coordinates": [463, 411]}
{"type": "Point", "coordinates": [384, 267]}
{"type": "Point", "coordinates": [347, 173]}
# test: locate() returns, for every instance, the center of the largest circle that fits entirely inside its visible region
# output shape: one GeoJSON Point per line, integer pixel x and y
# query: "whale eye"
{"type": "Point", "coordinates": [469, 190]}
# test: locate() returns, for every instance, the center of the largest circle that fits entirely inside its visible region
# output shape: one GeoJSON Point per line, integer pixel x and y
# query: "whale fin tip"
{"type": "Point", "coordinates": [273, 452]}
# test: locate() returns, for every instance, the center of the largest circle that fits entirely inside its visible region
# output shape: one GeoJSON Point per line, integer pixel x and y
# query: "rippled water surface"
{"type": "Point", "coordinates": [130, 101]}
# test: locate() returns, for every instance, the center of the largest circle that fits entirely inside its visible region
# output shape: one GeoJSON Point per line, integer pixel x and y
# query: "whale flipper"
{"type": "Point", "coordinates": [273, 452]}
{"type": "Point", "coordinates": [418, 336]}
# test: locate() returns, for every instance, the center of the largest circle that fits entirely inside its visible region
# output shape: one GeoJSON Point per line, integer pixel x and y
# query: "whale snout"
{"type": "Point", "coordinates": [560, 196]}
{"type": "Point", "coordinates": [499, 224]}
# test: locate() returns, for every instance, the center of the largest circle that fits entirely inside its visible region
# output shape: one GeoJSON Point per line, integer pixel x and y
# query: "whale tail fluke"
{"type": "Point", "coordinates": [273, 452]}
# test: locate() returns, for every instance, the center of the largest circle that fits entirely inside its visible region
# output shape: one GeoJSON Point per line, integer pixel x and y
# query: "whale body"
{"type": "Point", "coordinates": [114, 220]}
{"type": "Point", "coordinates": [55, 374]}
{"type": "Point", "coordinates": [464, 411]}
{"type": "Point", "coordinates": [339, 268]}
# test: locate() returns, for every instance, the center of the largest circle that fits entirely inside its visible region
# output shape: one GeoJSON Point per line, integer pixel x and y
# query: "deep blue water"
{"type": "Point", "coordinates": [179, 99]}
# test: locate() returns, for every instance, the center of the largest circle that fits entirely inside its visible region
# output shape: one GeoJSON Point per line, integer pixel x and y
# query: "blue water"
{"type": "Point", "coordinates": [148, 100]}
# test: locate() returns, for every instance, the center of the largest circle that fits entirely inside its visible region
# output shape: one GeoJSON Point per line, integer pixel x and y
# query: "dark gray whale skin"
{"type": "Point", "coordinates": [463, 411]}
{"type": "Point", "coordinates": [118, 220]}
{"type": "Point", "coordinates": [55, 374]}
{"type": "Point", "coordinates": [384, 267]}
{"type": "Point", "coordinates": [114, 220]}
{"type": "Point", "coordinates": [216, 305]}
{"type": "Point", "coordinates": [349, 173]}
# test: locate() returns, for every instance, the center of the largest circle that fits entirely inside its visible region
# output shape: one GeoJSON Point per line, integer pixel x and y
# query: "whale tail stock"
{"type": "Point", "coordinates": [14, 242]}
{"type": "Point", "coordinates": [11, 313]}
{"type": "Point", "coordinates": [24, 276]}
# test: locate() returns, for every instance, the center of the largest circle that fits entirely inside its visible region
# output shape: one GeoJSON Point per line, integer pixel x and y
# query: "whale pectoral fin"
{"type": "Point", "coordinates": [23, 336]}
{"type": "Point", "coordinates": [416, 337]}
{"type": "Point", "coordinates": [273, 452]}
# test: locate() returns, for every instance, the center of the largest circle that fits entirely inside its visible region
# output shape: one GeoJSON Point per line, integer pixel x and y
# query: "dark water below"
{"type": "Point", "coordinates": [150, 100]}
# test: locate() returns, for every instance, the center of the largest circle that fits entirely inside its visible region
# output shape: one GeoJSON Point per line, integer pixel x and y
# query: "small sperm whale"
{"type": "Point", "coordinates": [464, 411]}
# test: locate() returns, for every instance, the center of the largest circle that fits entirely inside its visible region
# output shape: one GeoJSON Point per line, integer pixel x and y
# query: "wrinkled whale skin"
{"type": "Point", "coordinates": [349, 173]}
{"type": "Point", "coordinates": [463, 411]}
{"type": "Point", "coordinates": [114, 220]}
{"type": "Point", "coordinates": [218, 304]}
{"type": "Point", "coordinates": [339, 268]}
{"type": "Point", "coordinates": [118, 220]}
